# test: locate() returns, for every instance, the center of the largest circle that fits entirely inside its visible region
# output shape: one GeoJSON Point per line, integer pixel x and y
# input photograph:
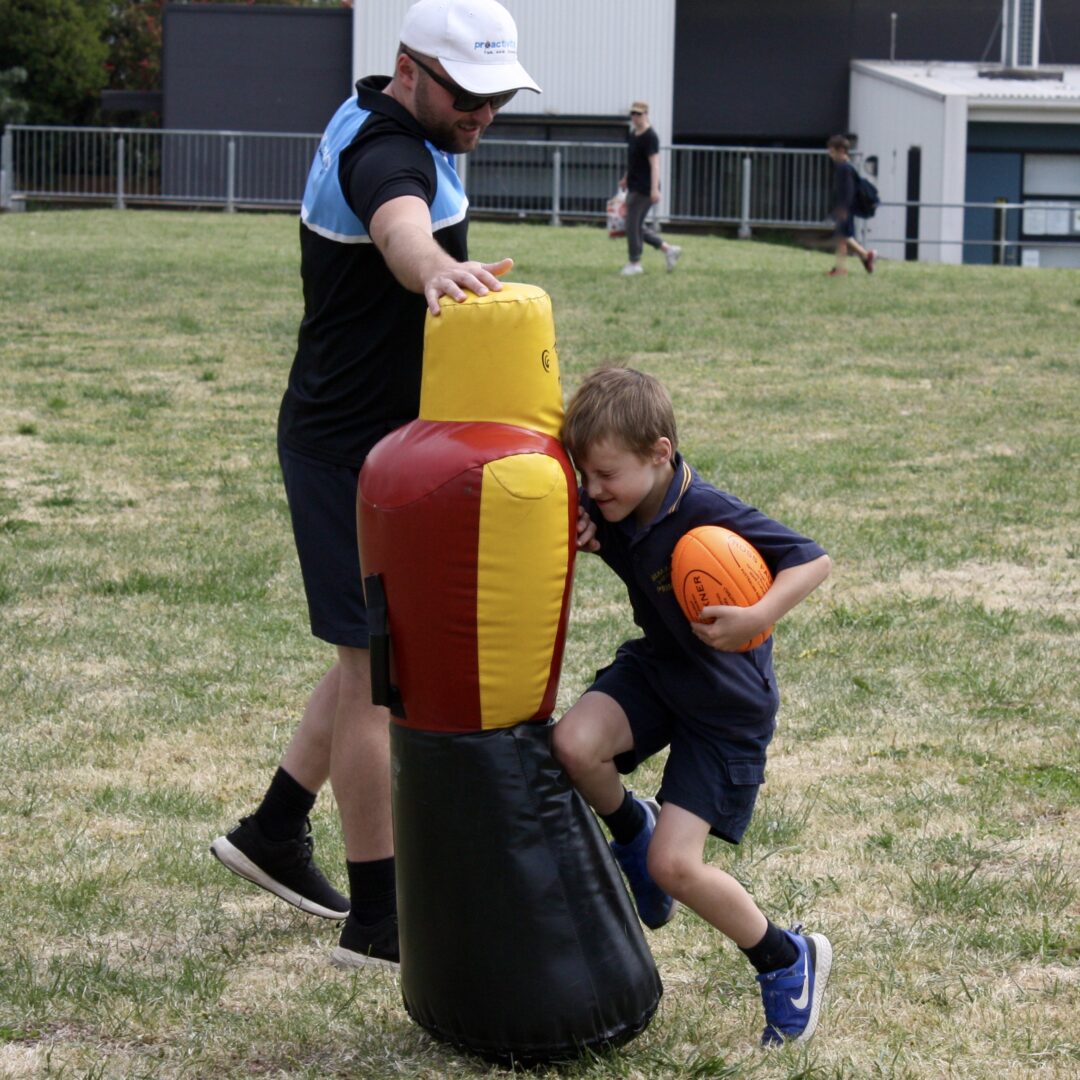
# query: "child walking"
{"type": "Point", "coordinates": [845, 179]}
{"type": "Point", "coordinates": [681, 685]}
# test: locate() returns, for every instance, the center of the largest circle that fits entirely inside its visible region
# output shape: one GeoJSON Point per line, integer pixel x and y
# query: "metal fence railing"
{"type": "Point", "coordinates": [556, 181]}
{"type": "Point", "coordinates": [1001, 233]}
{"type": "Point", "coordinates": [118, 166]}
{"type": "Point", "coordinates": [522, 178]}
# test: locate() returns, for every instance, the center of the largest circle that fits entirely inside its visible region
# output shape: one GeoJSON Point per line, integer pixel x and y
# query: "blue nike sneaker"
{"type": "Point", "coordinates": [792, 996]}
{"type": "Point", "coordinates": [654, 906]}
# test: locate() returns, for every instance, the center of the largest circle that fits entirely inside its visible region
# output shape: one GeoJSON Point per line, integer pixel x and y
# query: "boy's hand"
{"type": "Point", "coordinates": [731, 628]}
{"type": "Point", "coordinates": [728, 629]}
{"type": "Point", "coordinates": [586, 532]}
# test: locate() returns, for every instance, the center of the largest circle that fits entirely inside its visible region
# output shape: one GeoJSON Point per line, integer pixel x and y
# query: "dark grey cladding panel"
{"type": "Point", "coordinates": [255, 68]}
{"type": "Point", "coordinates": [778, 70]}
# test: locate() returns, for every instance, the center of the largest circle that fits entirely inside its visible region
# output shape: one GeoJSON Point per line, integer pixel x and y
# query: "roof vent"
{"type": "Point", "coordinates": [1020, 22]}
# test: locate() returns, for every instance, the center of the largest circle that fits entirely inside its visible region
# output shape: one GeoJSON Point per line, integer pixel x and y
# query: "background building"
{"type": "Point", "coordinates": [906, 79]}
{"type": "Point", "coordinates": [946, 134]}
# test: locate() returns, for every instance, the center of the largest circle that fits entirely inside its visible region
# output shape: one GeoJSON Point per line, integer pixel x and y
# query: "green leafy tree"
{"type": "Point", "coordinates": [133, 34]}
{"type": "Point", "coordinates": [61, 46]}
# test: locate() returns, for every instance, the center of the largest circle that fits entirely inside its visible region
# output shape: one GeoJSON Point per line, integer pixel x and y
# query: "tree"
{"type": "Point", "coordinates": [13, 109]}
{"type": "Point", "coordinates": [133, 34]}
{"type": "Point", "coordinates": [61, 46]}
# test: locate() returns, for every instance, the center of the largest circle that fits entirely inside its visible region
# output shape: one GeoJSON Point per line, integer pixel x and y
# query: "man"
{"type": "Point", "coordinates": [382, 238]}
{"type": "Point", "coordinates": [642, 185]}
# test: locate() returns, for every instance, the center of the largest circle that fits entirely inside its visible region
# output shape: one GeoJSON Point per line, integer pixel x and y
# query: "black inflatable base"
{"type": "Point", "coordinates": [519, 942]}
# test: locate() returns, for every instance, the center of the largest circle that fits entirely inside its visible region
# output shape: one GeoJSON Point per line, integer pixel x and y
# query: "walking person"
{"type": "Point", "coordinates": [845, 180]}
{"type": "Point", "coordinates": [642, 185]}
{"type": "Point", "coordinates": [383, 235]}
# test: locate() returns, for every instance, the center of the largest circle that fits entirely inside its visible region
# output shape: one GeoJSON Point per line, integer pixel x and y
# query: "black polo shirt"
{"type": "Point", "coordinates": [638, 170]}
{"type": "Point", "coordinates": [356, 373]}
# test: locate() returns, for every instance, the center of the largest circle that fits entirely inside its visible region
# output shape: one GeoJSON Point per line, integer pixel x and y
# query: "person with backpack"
{"type": "Point", "coordinates": [847, 204]}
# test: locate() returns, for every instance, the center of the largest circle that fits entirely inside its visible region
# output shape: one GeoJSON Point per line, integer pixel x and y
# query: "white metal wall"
{"type": "Point", "coordinates": [590, 57]}
{"type": "Point", "coordinates": [889, 117]}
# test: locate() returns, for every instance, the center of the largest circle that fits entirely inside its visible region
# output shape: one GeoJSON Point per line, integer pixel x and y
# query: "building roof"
{"type": "Point", "coordinates": [1048, 88]}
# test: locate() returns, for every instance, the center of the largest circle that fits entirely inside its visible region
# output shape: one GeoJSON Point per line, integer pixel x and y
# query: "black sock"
{"type": "Point", "coordinates": [284, 808]}
{"type": "Point", "coordinates": [372, 892]}
{"type": "Point", "coordinates": [774, 951]}
{"type": "Point", "coordinates": [627, 821]}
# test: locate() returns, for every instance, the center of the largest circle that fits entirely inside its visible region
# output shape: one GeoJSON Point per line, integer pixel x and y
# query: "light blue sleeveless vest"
{"type": "Point", "coordinates": [324, 209]}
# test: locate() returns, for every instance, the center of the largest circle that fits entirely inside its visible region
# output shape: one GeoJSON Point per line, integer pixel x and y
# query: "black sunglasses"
{"type": "Point", "coordinates": [636, 112]}
{"type": "Point", "coordinates": [464, 100]}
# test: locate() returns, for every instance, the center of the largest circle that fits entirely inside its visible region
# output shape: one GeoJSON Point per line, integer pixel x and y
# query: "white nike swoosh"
{"type": "Point", "coordinates": [803, 999]}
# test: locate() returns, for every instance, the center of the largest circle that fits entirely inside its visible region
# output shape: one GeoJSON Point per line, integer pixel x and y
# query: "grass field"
{"type": "Point", "coordinates": [923, 798]}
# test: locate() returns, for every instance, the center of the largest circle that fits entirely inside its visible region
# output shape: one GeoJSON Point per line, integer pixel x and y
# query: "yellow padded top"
{"type": "Point", "coordinates": [494, 358]}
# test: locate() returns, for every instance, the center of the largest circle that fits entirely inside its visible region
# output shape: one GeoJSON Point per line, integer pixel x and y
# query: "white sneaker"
{"type": "Point", "coordinates": [632, 268]}
{"type": "Point", "coordinates": [672, 255]}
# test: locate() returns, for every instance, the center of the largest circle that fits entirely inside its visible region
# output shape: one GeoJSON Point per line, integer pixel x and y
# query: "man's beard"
{"type": "Point", "coordinates": [445, 135]}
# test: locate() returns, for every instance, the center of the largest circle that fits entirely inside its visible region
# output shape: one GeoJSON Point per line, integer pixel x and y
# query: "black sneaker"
{"type": "Point", "coordinates": [375, 945]}
{"type": "Point", "coordinates": [284, 867]}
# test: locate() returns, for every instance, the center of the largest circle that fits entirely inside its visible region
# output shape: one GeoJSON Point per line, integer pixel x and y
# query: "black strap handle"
{"type": "Point", "coordinates": [383, 690]}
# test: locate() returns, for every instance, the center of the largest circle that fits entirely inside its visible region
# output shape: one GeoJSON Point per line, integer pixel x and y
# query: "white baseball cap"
{"type": "Point", "coordinates": [474, 40]}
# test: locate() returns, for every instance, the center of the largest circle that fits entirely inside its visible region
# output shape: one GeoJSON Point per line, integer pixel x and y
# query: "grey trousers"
{"type": "Point", "coordinates": [637, 209]}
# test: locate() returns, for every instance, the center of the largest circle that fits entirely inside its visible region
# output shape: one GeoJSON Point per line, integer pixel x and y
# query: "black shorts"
{"type": "Point", "coordinates": [710, 771]}
{"type": "Point", "coordinates": [322, 504]}
{"type": "Point", "coordinates": [844, 229]}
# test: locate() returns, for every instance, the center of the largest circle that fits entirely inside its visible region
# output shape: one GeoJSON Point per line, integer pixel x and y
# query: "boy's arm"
{"type": "Point", "coordinates": [732, 627]}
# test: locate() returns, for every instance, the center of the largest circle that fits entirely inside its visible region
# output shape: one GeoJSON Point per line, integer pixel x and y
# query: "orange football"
{"type": "Point", "coordinates": [712, 565]}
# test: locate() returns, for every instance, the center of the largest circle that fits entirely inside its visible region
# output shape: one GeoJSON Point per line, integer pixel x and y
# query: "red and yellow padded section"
{"type": "Point", "coordinates": [494, 358]}
{"type": "Point", "coordinates": [472, 528]}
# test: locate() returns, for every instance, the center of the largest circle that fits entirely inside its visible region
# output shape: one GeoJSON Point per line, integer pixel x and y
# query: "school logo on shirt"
{"type": "Point", "coordinates": [661, 578]}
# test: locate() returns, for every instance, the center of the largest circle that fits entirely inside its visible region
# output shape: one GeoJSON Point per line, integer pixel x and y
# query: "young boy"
{"type": "Point", "coordinates": [843, 200]}
{"type": "Point", "coordinates": [683, 686]}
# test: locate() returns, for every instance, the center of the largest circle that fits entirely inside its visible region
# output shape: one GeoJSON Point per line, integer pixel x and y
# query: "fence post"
{"type": "Point", "coordinates": [1001, 231]}
{"type": "Point", "coordinates": [556, 186]}
{"type": "Point", "coordinates": [6, 176]}
{"type": "Point", "coordinates": [119, 172]}
{"type": "Point", "coordinates": [744, 222]}
{"type": "Point", "coordinates": [230, 176]}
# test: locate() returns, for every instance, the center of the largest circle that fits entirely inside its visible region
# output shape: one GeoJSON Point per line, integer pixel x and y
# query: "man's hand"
{"type": "Point", "coordinates": [401, 230]}
{"type": "Point", "coordinates": [586, 532]}
{"type": "Point", "coordinates": [453, 280]}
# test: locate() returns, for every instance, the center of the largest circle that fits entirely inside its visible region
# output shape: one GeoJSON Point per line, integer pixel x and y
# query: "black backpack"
{"type": "Point", "coordinates": [867, 199]}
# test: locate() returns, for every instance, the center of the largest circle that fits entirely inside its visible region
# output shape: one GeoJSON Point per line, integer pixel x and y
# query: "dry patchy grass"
{"type": "Point", "coordinates": [923, 788]}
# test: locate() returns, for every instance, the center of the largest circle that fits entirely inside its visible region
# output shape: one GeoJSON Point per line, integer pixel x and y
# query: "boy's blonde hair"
{"type": "Point", "coordinates": [621, 404]}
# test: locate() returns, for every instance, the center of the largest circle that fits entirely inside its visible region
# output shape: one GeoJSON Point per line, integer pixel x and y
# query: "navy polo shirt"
{"type": "Point", "coordinates": [736, 690]}
{"type": "Point", "coordinates": [844, 181]}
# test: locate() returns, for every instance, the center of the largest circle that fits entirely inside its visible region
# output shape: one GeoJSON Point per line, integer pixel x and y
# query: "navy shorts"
{"type": "Point", "coordinates": [322, 504]}
{"type": "Point", "coordinates": [710, 771]}
{"type": "Point", "coordinates": [844, 229]}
